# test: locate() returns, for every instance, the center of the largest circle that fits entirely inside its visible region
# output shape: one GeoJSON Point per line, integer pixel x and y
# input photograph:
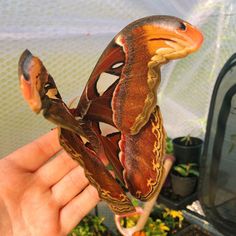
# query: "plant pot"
{"type": "Point", "coordinates": [187, 153]}
{"type": "Point", "coordinates": [183, 186]}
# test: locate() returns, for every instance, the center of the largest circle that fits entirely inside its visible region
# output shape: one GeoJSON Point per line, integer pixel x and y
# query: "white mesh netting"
{"type": "Point", "coordinates": [69, 37]}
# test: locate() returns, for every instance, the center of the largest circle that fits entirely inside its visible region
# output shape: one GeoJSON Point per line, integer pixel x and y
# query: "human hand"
{"type": "Point", "coordinates": [41, 195]}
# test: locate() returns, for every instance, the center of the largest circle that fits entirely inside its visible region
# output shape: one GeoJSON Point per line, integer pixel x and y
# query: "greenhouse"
{"type": "Point", "coordinates": [118, 118]}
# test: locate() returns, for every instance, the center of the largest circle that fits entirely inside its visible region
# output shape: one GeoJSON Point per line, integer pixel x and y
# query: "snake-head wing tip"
{"type": "Point", "coordinates": [23, 64]}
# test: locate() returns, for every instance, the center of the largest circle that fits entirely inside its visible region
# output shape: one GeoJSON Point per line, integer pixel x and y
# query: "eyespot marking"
{"type": "Point", "coordinates": [182, 26]}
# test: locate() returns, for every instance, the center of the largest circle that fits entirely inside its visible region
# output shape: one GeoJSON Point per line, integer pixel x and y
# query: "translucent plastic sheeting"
{"type": "Point", "coordinates": [69, 37]}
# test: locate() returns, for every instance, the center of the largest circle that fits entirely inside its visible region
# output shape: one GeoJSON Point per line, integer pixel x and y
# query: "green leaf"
{"type": "Point", "coordinates": [180, 170]}
{"type": "Point", "coordinates": [194, 172]}
{"type": "Point", "coordinates": [169, 146]}
{"type": "Point", "coordinates": [187, 140]}
{"type": "Point", "coordinates": [193, 164]}
{"type": "Point", "coordinates": [135, 202]}
{"type": "Point", "coordinates": [184, 166]}
{"type": "Point", "coordinates": [89, 226]}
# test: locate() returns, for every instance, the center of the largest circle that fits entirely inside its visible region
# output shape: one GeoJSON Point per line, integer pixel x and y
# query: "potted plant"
{"type": "Point", "coordinates": [91, 225]}
{"type": "Point", "coordinates": [184, 178]}
{"type": "Point", "coordinates": [187, 149]}
{"type": "Point", "coordinates": [167, 195]}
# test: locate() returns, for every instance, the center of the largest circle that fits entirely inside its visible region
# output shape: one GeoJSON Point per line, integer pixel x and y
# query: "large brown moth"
{"type": "Point", "coordinates": [136, 151]}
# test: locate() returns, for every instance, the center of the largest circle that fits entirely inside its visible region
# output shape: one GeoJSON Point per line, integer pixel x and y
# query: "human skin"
{"type": "Point", "coordinates": [42, 195]}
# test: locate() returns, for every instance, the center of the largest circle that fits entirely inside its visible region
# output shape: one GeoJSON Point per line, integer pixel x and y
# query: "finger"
{"type": "Point", "coordinates": [54, 170]}
{"type": "Point", "coordinates": [78, 207]}
{"type": "Point", "coordinates": [35, 154]}
{"type": "Point", "coordinates": [70, 185]}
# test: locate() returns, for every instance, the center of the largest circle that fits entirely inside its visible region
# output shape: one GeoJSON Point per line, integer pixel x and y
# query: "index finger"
{"type": "Point", "coordinates": [35, 154]}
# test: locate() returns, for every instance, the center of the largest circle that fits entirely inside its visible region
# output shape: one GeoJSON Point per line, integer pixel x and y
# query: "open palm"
{"type": "Point", "coordinates": [42, 195]}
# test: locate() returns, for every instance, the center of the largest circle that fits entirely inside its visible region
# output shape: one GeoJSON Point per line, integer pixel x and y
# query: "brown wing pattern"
{"type": "Point", "coordinates": [97, 174]}
{"type": "Point", "coordinates": [136, 150]}
{"type": "Point", "coordinates": [142, 158]}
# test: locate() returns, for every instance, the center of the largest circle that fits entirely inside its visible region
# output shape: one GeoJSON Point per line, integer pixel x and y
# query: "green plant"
{"type": "Point", "coordinates": [156, 228]}
{"type": "Point", "coordinates": [187, 140]}
{"type": "Point", "coordinates": [169, 146]}
{"type": "Point", "coordinates": [173, 218]}
{"type": "Point", "coordinates": [162, 222]}
{"type": "Point", "coordinates": [90, 226]}
{"type": "Point", "coordinates": [185, 170]}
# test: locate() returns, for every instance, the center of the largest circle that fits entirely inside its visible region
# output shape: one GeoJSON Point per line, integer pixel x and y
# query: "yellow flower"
{"type": "Point", "coordinates": [174, 214]}
{"type": "Point", "coordinates": [163, 227]}
{"type": "Point", "coordinates": [177, 214]}
{"type": "Point", "coordinates": [130, 221]}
